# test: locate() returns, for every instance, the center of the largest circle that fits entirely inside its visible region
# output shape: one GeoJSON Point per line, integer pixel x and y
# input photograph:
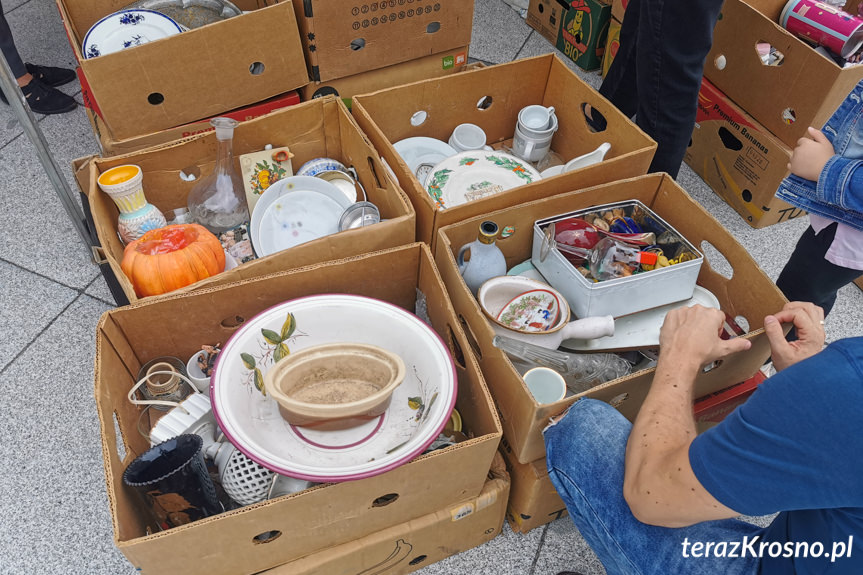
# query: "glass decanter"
{"type": "Point", "coordinates": [218, 202]}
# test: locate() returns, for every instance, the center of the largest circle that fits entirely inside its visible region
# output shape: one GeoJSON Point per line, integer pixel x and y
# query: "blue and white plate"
{"type": "Point", "coordinates": [126, 29]}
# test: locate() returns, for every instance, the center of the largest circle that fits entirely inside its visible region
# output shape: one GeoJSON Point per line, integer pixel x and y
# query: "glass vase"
{"type": "Point", "coordinates": [218, 201]}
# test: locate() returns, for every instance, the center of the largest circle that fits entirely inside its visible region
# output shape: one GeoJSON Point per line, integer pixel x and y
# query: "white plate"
{"type": "Point", "coordinates": [126, 29]}
{"type": "Point", "coordinates": [419, 410]}
{"type": "Point", "coordinates": [640, 329]}
{"type": "Point", "coordinates": [476, 174]}
{"type": "Point", "coordinates": [295, 210]}
{"type": "Point", "coordinates": [422, 154]}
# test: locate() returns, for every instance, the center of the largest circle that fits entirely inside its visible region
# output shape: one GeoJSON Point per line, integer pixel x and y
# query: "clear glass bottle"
{"type": "Point", "coordinates": [218, 202]}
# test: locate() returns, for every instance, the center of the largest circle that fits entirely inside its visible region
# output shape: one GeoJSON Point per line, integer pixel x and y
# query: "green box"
{"type": "Point", "coordinates": [583, 31]}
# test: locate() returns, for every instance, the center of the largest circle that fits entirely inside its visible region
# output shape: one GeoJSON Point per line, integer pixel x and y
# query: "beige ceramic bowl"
{"type": "Point", "coordinates": [334, 386]}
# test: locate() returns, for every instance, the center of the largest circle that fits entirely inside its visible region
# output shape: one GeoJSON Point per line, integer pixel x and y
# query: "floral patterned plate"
{"type": "Point", "coordinates": [126, 29]}
{"type": "Point", "coordinates": [475, 174]}
{"type": "Point", "coordinates": [531, 311]}
{"type": "Point", "coordinates": [419, 410]}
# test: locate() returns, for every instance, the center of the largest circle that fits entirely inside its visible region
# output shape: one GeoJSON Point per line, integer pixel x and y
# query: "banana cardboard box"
{"type": "Point", "coordinates": [583, 31]}
{"type": "Point", "coordinates": [740, 159]}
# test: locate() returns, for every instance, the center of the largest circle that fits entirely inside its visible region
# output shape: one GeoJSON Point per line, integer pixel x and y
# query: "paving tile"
{"type": "Point", "coordinates": [564, 549]}
{"type": "Point", "coordinates": [52, 455]}
{"type": "Point", "coordinates": [28, 303]}
{"type": "Point", "coordinates": [498, 32]}
{"type": "Point", "coordinates": [70, 137]}
{"type": "Point", "coordinates": [507, 554]}
{"type": "Point", "coordinates": [536, 45]}
{"type": "Point", "coordinates": [99, 290]}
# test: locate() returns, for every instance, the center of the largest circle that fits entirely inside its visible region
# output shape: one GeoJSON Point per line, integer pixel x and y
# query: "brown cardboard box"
{"type": "Point", "coordinates": [739, 159]}
{"type": "Point", "coordinates": [491, 98]}
{"type": "Point", "coordinates": [533, 500]}
{"type": "Point", "coordinates": [618, 9]}
{"type": "Point", "coordinates": [346, 38]}
{"type": "Point", "coordinates": [413, 545]}
{"type": "Point", "coordinates": [320, 517]}
{"type": "Point", "coordinates": [859, 282]}
{"type": "Point", "coordinates": [197, 74]}
{"type": "Point", "coordinates": [803, 91]}
{"type": "Point", "coordinates": [748, 293]}
{"type": "Point", "coordinates": [321, 128]}
{"type": "Point", "coordinates": [545, 17]}
{"type": "Point", "coordinates": [432, 66]}
{"type": "Point", "coordinates": [584, 31]}
{"type": "Point", "coordinates": [111, 147]}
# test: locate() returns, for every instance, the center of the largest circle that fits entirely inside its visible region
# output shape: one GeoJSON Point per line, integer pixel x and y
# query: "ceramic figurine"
{"type": "Point", "coordinates": [486, 259]}
{"type": "Point", "coordinates": [137, 216]}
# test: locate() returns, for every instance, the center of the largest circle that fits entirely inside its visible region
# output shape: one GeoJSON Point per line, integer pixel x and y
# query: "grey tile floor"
{"type": "Point", "coordinates": [53, 509]}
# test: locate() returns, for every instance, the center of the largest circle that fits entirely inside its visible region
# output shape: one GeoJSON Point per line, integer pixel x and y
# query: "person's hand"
{"type": "Point", "coordinates": [691, 335]}
{"type": "Point", "coordinates": [811, 155]}
{"type": "Point", "coordinates": [808, 320]}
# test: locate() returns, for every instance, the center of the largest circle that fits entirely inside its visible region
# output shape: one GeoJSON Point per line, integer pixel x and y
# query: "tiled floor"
{"type": "Point", "coordinates": [53, 509]}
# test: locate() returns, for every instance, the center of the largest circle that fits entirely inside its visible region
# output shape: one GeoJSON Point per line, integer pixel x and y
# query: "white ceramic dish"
{"type": "Point", "coordinates": [535, 310]}
{"type": "Point", "coordinates": [421, 154]}
{"type": "Point", "coordinates": [126, 29]}
{"type": "Point", "coordinates": [476, 174]}
{"type": "Point", "coordinates": [295, 210]}
{"type": "Point", "coordinates": [588, 159]}
{"type": "Point", "coordinates": [419, 410]}
{"type": "Point", "coordinates": [640, 329]}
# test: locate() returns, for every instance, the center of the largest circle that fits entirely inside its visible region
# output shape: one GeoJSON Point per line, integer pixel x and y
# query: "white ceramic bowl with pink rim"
{"type": "Point", "coordinates": [419, 409]}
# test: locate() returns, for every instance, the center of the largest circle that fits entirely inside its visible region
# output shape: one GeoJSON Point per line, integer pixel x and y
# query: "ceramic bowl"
{"type": "Point", "coordinates": [335, 386]}
{"type": "Point", "coordinates": [535, 310]}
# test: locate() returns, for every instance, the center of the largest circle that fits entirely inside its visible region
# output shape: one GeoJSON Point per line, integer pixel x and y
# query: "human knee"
{"type": "Point", "coordinates": [586, 422]}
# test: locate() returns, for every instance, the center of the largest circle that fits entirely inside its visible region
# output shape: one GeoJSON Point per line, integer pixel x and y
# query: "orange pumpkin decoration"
{"type": "Point", "coordinates": [172, 257]}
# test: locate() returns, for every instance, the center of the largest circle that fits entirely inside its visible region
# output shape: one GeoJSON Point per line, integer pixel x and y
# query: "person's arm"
{"type": "Point", "coordinates": [659, 484]}
{"type": "Point", "coordinates": [839, 179]}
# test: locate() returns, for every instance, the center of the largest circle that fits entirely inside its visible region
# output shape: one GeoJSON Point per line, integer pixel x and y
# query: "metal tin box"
{"type": "Point", "coordinates": [620, 296]}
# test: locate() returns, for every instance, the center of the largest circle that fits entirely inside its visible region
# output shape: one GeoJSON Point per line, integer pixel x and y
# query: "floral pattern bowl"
{"type": "Point", "coordinates": [532, 311]}
{"type": "Point", "coordinates": [419, 408]}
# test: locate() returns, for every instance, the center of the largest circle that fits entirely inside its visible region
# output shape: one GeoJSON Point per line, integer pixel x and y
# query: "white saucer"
{"type": "Point", "coordinates": [126, 29]}
{"type": "Point", "coordinates": [421, 154]}
{"type": "Point", "coordinates": [295, 210]}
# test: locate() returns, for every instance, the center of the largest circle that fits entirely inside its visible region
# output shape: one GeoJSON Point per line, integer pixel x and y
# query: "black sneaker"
{"type": "Point", "coordinates": [51, 76]}
{"type": "Point", "coordinates": [46, 100]}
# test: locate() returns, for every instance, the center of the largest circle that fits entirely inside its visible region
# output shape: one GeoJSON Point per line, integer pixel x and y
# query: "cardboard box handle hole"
{"type": "Point", "coordinates": [471, 338]}
{"type": "Point", "coordinates": [419, 118]}
{"type": "Point", "coordinates": [266, 537]}
{"type": "Point", "coordinates": [257, 68]}
{"type": "Point", "coordinates": [742, 322]}
{"type": "Point", "coordinates": [789, 116]}
{"type": "Point", "coordinates": [455, 348]}
{"type": "Point", "coordinates": [233, 323]}
{"type": "Point", "coordinates": [190, 173]}
{"type": "Point", "coordinates": [385, 500]}
{"type": "Point", "coordinates": [378, 184]}
{"type": "Point", "coordinates": [712, 366]}
{"type": "Point", "coordinates": [418, 559]}
{"type": "Point", "coordinates": [716, 260]}
{"type": "Point", "coordinates": [593, 118]}
{"type": "Point", "coordinates": [155, 98]}
{"type": "Point", "coordinates": [432, 27]}
{"type": "Point", "coordinates": [358, 44]}
{"type": "Point", "coordinates": [120, 440]}
{"type": "Point", "coordinates": [484, 103]}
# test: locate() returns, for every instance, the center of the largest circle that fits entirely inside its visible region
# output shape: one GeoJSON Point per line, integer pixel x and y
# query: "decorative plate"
{"type": "Point", "coordinates": [126, 29]}
{"type": "Point", "coordinates": [423, 154]}
{"type": "Point", "coordinates": [296, 210]}
{"type": "Point", "coordinates": [475, 174]}
{"type": "Point", "coordinates": [190, 13]}
{"type": "Point", "coordinates": [419, 410]}
{"type": "Point", "coordinates": [531, 311]}
{"type": "Point", "coordinates": [640, 329]}
{"type": "Point", "coordinates": [320, 165]}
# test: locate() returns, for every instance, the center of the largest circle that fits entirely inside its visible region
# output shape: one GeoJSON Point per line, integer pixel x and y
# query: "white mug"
{"type": "Point", "coordinates": [537, 118]}
{"type": "Point", "coordinates": [531, 148]}
{"type": "Point", "coordinates": [468, 137]}
{"type": "Point", "coordinates": [545, 384]}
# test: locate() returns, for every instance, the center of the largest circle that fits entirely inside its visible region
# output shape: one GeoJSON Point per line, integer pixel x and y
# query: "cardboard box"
{"type": "Point", "coordinates": [612, 45]}
{"type": "Point", "coordinates": [803, 91]}
{"type": "Point", "coordinates": [432, 66]}
{"type": "Point", "coordinates": [320, 517]}
{"type": "Point", "coordinates": [737, 157]}
{"type": "Point", "coordinates": [859, 282]}
{"type": "Point", "coordinates": [583, 31]}
{"type": "Point", "coordinates": [417, 543]}
{"type": "Point", "coordinates": [533, 500]}
{"type": "Point", "coordinates": [713, 408]}
{"type": "Point", "coordinates": [545, 16]}
{"type": "Point", "coordinates": [111, 147]}
{"type": "Point", "coordinates": [197, 74]}
{"type": "Point", "coordinates": [491, 98]}
{"type": "Point", "coordinates": [748, 293]}
{"type": "Point", "coordinates": [618, 9]}
{"type": "Point", "coordinates": [346, 38]}
{"type": "Point", "coordinates": [321, 128]}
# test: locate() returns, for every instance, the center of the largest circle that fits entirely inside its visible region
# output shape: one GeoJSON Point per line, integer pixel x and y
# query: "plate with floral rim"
{"type": "Point", "coordinates": [475, 174]}
{"type": "Point", "coordinates": [419, 410]}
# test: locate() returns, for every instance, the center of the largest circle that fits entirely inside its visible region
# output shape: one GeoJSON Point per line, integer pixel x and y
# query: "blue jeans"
{"type": "Point", "coordinates": [657, 72]}
{"type": "Point", "coordinates": [585, 453]}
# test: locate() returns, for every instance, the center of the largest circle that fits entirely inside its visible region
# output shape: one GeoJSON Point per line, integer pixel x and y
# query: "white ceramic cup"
{"type": "Point", "coordinates": [199, 380]}
{"type": "Point", "coordinates": [536, 118]}
{"type": "Point", "coordinates": [545, 384]}
{"type": "Point", "coordinates": [467, 137]}
{"type": "Point", "coordinates": [531, 148]}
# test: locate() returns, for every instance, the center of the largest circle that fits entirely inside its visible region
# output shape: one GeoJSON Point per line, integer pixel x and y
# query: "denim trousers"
{"type": "Point", "coordinates": [657, 72]}
{"type": "Point", "coordinates": [585, 455]}
{"type": "Point", "coordinates": [7, 46]}
{"type": "Point", "coordinates": [809, 277]}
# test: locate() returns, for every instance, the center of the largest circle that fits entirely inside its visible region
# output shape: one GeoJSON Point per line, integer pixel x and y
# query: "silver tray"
{"type": "Point", "coordinates": [190, 13]}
